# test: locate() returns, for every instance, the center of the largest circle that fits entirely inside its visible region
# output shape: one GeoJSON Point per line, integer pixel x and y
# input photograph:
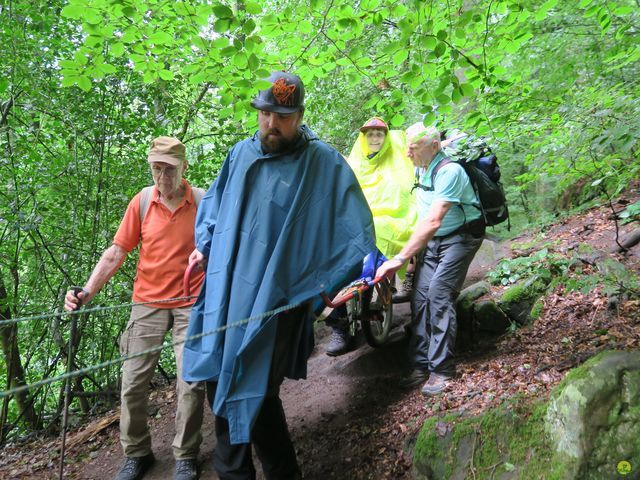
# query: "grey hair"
{"type": "Point", "coordinates": [418, 131]}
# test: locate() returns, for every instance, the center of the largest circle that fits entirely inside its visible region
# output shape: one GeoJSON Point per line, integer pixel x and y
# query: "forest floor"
{"type": "Point", "coordinates": [351, 420]}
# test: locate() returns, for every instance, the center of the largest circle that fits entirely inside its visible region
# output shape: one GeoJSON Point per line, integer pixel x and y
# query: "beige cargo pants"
{"type": "Point", "coordinates": [146, 328]}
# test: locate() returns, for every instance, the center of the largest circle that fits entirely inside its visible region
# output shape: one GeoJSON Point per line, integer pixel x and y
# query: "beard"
{"type": "Point", "coordinates": [273, 141]}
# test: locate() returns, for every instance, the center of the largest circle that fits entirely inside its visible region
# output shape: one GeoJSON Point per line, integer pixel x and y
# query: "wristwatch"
{"type": "Point", "coordinates": [400, 258]}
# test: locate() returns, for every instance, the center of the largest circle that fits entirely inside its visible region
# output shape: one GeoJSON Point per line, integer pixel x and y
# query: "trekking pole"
{"type": "Point", "coordinates": [67, 385]}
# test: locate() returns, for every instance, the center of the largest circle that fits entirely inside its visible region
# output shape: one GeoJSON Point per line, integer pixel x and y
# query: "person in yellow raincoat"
{"type": "Point", "coordinates": [378, 158]}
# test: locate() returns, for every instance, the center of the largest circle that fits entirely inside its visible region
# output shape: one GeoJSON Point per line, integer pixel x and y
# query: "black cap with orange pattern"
{"type": "Point", "coordinates": [286, 94]}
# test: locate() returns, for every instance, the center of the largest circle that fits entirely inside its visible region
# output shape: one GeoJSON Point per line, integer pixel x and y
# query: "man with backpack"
{"type": "Point", "coordinates": [449, 233]}
{"type": "Point", "coordinates": [160, 220]}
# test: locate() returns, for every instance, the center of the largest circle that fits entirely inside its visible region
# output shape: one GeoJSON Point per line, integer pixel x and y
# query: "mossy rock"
{"type": "Point", "coordinates": [613, 268]}
{"type": "Point", "coordinates": [473, 292]}
{"type": "Point", "coordinates": [465, 314]}
{"type": "Point", "coordinates": [594, 416]}
{"type": "Point", "coordinates": [505, 443]}
{"type": "Point", "coordinates": [536, 310]}
{"type": "Point", "coordinates": [589, 429]}
{"type": "Point", "coordinates": [488, 317]}
{"type": "Point", "coordinates": [518, 300]}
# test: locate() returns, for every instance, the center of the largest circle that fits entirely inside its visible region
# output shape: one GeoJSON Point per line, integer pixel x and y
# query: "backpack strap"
{"type": "Point", "coordinates": [442, 163]}
{"type": "Point", "coordinates": [417, 184]}
{"type": "Point", "coordinates": [145, 199]}
{"type": "Point", "coordinates": [447, 161]}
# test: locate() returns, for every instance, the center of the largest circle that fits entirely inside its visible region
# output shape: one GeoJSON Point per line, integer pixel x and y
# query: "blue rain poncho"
{"type": "Point", "coordinates": [277, 229]}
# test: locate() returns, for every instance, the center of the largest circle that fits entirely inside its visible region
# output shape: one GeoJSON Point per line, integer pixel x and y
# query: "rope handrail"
{"type": "Point", "coordinates": [63, 313]}
{"type": "Point", "coordinates": [124, 358]}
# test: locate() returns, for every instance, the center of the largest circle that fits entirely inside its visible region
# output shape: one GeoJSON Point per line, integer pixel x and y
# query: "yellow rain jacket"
{"type": "Point", "coordinates": [386, 180]}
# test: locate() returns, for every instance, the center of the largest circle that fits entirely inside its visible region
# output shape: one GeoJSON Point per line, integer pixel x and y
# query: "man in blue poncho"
{"type": "Point", "coordinates": [284, 221]}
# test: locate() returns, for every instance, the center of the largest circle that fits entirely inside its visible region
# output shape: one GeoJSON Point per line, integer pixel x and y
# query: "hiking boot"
{"type": "Point", "coordinates": [339, 343]}
{"type": "Point", "coordinates": [436, 384]}
{"type": "Point", "coordinates": [415, 378]}
{"type": "Point", "coordinates": [186, 469]}
{"type": "Point", "coordinates": [404, 292]}
{"type": "Point", "coordinates": [134, 468]}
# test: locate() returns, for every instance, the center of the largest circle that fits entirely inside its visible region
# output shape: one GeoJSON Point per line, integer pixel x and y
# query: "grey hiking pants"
{"type": "Point", "coordinates": [147, 328]}
{"type": "Point", "coordinates": [441, 270]}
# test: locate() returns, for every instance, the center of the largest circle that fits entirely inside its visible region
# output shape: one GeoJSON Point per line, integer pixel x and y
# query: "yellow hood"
{"type": "Point", "coordinates": [386, 180]}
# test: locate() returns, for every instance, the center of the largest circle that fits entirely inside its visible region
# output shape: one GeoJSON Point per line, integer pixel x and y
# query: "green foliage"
{"type": "Point", "coordinates": [631, 213]}
{"type": "Point", "coordinates": [494, 69]}
{"type": "Point", "coordinates": [543, 264]}
{"type": "Point", "coordinates": [612, 277]}
{"type": "Point", "coordinates": [70, 163]}
{"type": "Point", "coordinates": [583, 284]}
{"type": "Point", "coordinates": [553, 269]}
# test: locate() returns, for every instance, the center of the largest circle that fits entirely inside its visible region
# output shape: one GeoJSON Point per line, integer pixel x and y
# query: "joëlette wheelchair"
{"type": "Point", "coordinates": [368, 302]}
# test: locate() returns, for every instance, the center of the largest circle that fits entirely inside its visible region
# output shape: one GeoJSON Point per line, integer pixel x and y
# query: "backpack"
{"type": "Point", "coordinates": [145, 198]}
{"type": "Point", "coordinates": [481, 166]}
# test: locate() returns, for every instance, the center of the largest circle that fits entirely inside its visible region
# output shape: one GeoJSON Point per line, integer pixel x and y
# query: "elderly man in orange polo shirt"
{"type": "Point", "coordinates": [159, 219]}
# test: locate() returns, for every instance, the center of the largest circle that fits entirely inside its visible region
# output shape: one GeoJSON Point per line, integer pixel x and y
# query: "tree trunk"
{"type": "Point", "coordinates": [15, 372]}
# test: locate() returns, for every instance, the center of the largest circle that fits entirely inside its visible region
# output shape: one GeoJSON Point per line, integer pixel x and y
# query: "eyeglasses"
{"type": "Point", "coordinates": [168, 171]}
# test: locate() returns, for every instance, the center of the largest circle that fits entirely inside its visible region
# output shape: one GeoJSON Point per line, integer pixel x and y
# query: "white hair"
{"type": "Point", "coordinates": [419, 131]}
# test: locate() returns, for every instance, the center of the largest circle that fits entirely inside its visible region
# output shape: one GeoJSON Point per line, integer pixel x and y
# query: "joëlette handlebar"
{"type": "Point", "coordinates": [351, 292]}
{"type": "Point", "coordinates": [186, 284]}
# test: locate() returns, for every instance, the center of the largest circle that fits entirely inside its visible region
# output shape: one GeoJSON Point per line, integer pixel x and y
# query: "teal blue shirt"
{"type": "Point", "coordinates": [451, 185]}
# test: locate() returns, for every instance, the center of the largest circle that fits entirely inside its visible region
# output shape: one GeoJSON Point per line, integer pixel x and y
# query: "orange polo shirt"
{"type": "Point", "coordinates": [166, 241]}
